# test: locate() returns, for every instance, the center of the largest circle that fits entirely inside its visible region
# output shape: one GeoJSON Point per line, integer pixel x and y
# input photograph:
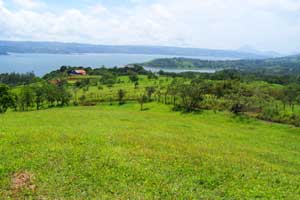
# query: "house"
{"type": "Point", "coordinates": [80, 72]}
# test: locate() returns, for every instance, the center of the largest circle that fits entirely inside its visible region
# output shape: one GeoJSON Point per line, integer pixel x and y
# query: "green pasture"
{"type": "Point", "coordinates": [119, 152]}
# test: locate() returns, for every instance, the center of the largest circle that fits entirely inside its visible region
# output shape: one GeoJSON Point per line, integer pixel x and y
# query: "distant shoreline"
{"type": "Point", "coordinates": [214, 58]}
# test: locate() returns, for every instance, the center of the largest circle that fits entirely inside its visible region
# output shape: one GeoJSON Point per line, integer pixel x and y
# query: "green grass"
{"type": "Point", "coordinates": [118, 152]}
{"type": "Point", "coordinates": [105, 93]}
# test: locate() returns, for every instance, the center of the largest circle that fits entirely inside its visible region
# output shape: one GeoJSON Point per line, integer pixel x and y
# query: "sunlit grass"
{"type": "Point", "coordinates": [118, 152]}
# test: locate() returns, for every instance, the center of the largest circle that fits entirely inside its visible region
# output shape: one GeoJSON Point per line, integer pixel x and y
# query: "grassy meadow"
{"type": "Point", "coordinates": [119, 152]}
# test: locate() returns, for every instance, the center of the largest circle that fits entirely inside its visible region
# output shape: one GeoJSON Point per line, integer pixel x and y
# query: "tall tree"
{"type": "Point", "coordinates": [142, 100]}
{"type": "Point", "coordinates": [150, 91]}
{"type": "Point", "coordinates": [6, 98]}
{"type": "Point", "coordinates": [40, 95]}
{"type": "Point", "coordinates": [191, 95]}
{"type": "Point", "coordinates": [121, 95]}
{"type": "Point", "coordinates": [26, 98]}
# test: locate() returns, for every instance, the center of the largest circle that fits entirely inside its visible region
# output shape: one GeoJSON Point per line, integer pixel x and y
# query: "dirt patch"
{"type": "Point", "coordinates": [22, 181]}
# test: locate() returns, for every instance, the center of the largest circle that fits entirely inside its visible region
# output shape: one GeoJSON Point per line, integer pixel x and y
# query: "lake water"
{"type": "Point", "coordinates": [41, 64]}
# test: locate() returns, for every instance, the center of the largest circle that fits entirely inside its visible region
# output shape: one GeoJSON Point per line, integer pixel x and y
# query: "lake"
{"type": "Point", "coordinates": [41, 64]}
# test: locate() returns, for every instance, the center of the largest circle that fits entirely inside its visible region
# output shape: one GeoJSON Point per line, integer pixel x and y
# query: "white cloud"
{"type": "Point", "coordinates": [284, 5]}
{"type": "Point", "coordinates": [266, 24]}
{"type": "Point", "coordinates": [29, 4]}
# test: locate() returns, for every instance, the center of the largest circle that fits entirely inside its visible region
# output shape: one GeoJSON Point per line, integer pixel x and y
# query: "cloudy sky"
{"type": "Point", "coordinates": [218, 24]}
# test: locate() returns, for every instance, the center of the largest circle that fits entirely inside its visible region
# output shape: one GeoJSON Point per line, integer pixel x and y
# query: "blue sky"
{"type": "Point", "coordinates": [80, 4]}
{"type": "Point", "coordinates": [217, 24]}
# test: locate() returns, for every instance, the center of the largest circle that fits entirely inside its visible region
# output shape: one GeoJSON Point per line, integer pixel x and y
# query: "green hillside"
{"type": "Point", "coordinates": [119, 152]}
{"type": "Point", "coordinates": [284, 65]}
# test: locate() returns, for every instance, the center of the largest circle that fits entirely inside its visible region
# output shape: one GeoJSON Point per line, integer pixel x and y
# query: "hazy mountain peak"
{"type": "Point", "coordinates": [250, 49]}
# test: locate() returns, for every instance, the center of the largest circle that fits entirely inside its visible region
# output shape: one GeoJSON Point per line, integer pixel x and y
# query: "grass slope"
{"type": "Point", "coordinates": [113, 152]}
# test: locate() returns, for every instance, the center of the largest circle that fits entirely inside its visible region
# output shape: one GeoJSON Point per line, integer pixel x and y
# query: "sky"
{"type": "Point", "coordinates": [268, 25]}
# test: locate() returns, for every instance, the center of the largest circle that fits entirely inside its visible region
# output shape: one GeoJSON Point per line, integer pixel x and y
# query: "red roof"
{"type": "Point", "coordinates": [80, 71]}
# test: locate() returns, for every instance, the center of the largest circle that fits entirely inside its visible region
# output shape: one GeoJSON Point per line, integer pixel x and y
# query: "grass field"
{"type": "Point", "coordinates": [118, 152]}
{"type": "Point", "coordinates": [105, 93]}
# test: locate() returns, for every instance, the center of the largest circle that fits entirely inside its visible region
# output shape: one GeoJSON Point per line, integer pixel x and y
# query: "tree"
{"type": "Point", "coordinates": [158, 94]}
{"type": "Point", "coordinates": [191, 95]}
{"type": "Point", "coordinates": [50, 94]}
{"type": "Point", "coordinates": [298, 99]}
{"type": "Point", "coordinates": [40, 96]}
{"type": "Point", "coordinates": [238, 103]}
{"type": "Point", "coordinates": [6, 98]}
{"type": "Point", "coordinates": [136, 85]}
{"type": "Point", "coordinates": [290, 94]}
{"type": "Point", "coordinates": [27, 97]}
{"type": "Point", "coordinates": [134, 77]}
{"type": "Point", "coordinates": [173, 89]}
{"type": "Point", "coordinates": [18, 79]}
{"type": "Point", "coordinates": [142, 99]}
{"type": "Point", "coordinates": [63, 96]}
{"type": "Point", "coordinates": [152, 76]}
{"type": "Point", "coordinates": [108, 79]}
{"type": "Point", "coordinates": [75, 92]}
{"type": "Point", "coordinates": [121, 95]}
{"type": "Point", "coordinates": [150, 91]}
{"type": "Point", "coordinates": [15, 98]}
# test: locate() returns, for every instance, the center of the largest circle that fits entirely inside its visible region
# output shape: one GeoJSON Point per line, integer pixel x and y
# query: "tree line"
{"type": "Point", "coordinates": [38, 95]}
{"type": "Point", "coordinates": [264, 102]}
{"type": "Point", "coordinates": [18, 78]}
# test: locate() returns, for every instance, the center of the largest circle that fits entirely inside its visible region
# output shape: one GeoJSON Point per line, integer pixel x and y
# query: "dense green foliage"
{"type": "Point", "coordinates": [128, 70]}
{"type": "Point", "coordinates": [39, 95]}
{"type": "Point", "coordinates": [285, 65]}
{"type": "Point", "coordinates": [6, 98]}
{"type": "Point", "coordinates": [229, 74]}
{"type": "Point", "coordinates": [18, 79]}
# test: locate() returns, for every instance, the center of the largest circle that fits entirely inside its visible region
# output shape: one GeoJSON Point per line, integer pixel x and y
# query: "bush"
{"type": "Point", "coordinates": [88, 103]}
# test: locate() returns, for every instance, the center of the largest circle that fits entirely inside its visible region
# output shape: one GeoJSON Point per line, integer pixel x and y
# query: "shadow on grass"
{"type": "Point", "coordinates": [184, 111]}
{"type": "Point", "coordinates": [242, 118]}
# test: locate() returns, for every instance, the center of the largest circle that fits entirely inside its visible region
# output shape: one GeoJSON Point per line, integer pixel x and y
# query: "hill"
{"type": "Point", "coordinates": [118, 152]}
{"type": "Point", "coordinates": [289, 65]}
{"type": "Point", "coordinates": [68, 48]}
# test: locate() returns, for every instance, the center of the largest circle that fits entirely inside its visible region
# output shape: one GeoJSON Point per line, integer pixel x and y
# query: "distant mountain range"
{"type": "Point", "coordinates": [281, 65]}
{"type": "Point", "coordinates": [250, 49]}
{"type": "Point", "coordinates": [70, 48]}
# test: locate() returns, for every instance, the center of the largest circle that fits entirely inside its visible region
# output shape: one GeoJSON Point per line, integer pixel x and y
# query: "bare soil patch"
{"type": "Point", "coordinates": [22, 181]}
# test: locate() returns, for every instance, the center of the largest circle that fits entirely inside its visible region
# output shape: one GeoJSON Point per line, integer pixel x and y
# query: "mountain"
{"type": "Point", "coordinates": [282, 65]}
{"type": "Point", "coordinates": [250, 49]}
{"type": "Point", "coordinates": [69, 48]}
